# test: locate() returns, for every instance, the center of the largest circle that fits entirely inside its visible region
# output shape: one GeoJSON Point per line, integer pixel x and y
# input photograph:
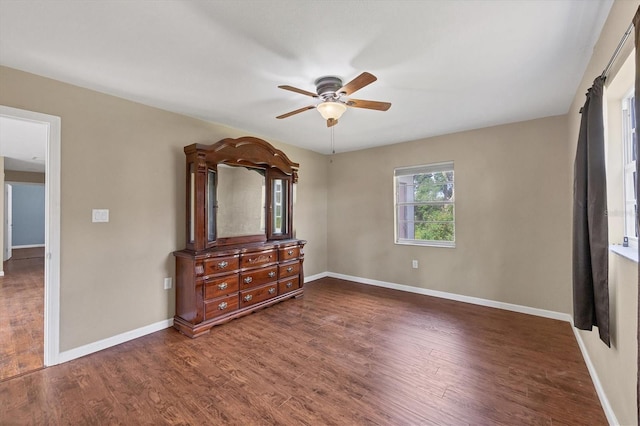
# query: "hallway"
{"type": "Point", "coordinates": [21, 313]}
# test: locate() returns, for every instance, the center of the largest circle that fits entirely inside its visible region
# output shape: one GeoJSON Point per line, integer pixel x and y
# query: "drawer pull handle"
{"type": "Point", "coordinates": [272, 290]}
{"type": "Point", "coordinates": [290, 252]}
{"type": "Point", "coordinates": [223, 264]}
{"type": "Point", "coordinates": [222, 286]}
{"type": "Point", "coordinates": [248, 280]}
{"type": "Point", "coordinates": [222, 306]}
{"type": "Point", "coordinates": [272, 274]}
{"type": "Point", "coordinates": [290, 268]}
{"type": "Point", "coordinates": [289, 284]}
{"type": "Point", "coordinates": [248, 297]}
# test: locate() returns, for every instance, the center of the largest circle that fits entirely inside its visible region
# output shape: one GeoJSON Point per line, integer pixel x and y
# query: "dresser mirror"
{"type": "Point", "coordinates": [241, 196]}
{"type": "Point", "coordinates": [238, 191]}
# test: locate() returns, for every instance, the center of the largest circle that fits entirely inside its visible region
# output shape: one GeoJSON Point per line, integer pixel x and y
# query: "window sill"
{"type": "Point", "coordinates": [424, 243]}
{"type": "Point", "coordinates": [630, 253]}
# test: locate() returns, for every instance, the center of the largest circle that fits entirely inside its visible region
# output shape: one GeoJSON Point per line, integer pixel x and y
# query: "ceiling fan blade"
{"type": "Point", "coordinates": [358, 83]}
{"type": "Point", "coordinates": [359, 103]}
{"type": "Point", "coordinates": [295, 89]}
{"type": "Point", "coordinates": [289, 114]}
{"type": "Point", "coordinates": [332, 122]}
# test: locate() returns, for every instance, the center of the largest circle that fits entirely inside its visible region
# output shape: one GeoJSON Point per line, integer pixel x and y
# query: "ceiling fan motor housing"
{"type": "Point", "coordinates": [327, 87]}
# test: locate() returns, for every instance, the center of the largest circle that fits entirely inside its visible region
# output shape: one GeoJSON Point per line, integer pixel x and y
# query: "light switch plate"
{"type": "Point", "coordinates": [168, 283]}
{"type": "Point", "coordinates": [100, 215]}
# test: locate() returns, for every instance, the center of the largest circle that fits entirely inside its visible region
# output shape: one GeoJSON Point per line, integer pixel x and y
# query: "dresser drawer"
{"type": "Point", "coordinates": [250, 260]}
{"type": "Point", "coordinates": [222, 306]}
{"type": "Point", "coordinates": [289, 253]}
{"type": "Point", "coordinates": [288, 284]}
{"type": "Point", "coordinates": [256, 295]}
{"type": "Point", "coordinates": [223, 286]}
{"type": "Point", "coordinates": [258, 277]}
{"type": "Point", "coordinates": [288, 269]}
{"type": "Point", "coordinates": [220, 265]}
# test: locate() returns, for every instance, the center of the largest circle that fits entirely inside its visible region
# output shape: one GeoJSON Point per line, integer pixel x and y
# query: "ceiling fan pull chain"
{"type": "Point", "coordinates": [333, 144]}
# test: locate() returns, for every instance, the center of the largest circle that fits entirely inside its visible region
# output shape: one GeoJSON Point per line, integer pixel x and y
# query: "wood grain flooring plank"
{"type": "Point", "coordinates": [22, 314]}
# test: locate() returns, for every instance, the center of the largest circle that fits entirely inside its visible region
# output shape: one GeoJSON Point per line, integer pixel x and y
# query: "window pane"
{"type": "Point", "coordinates": [434, 231]}
{"type": "Point", "coordinates": [433, 186]}
{"type": "Point", "coordinates": [629, 173]}
{"type": "Point", "coordinates": [431, 213]}
{"type": "Point", "coordinates": [425, 209]}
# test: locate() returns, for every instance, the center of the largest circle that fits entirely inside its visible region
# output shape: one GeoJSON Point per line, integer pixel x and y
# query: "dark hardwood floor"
{"type": "Point", "coordinates": [344, 354]}
{"type": "Point", "coordinates": [21, 313]}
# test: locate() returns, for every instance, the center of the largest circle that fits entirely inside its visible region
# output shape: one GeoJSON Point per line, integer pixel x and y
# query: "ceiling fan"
{"type": "Point", "coordinates": [333, 96]}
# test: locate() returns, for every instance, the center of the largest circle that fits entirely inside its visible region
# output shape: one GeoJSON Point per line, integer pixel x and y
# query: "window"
{"type": "Point", "coordinates": [424, 205]}
{"type": "Point", "coordinates": [629, 169]}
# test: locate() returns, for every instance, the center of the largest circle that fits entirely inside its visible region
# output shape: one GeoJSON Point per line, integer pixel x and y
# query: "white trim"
{"type": "Point", "coordinates": [113, 341]}
{"type": "Point", "coordinates": [458, 297]}
{"type": "Point", "coordinates": [15, 182]}
{"type": "Point", "coordinates": [425, 243]}
{"type": "Point", "coordinates": [630, 253]}
{"type": "Point", "coordinates": [315, 277]}
{"type": "Point", "coordinates": [52, 229]}
{"type": "Point", "coordinates": [28, 246]}
{"type": "Point", "coordinates": [1, 273]}
{"type": "Point", "coordinates": [606, 405]}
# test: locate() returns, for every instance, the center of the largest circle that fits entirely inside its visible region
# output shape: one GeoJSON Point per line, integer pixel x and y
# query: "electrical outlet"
{"type": "Point", "coordinates": [168, 283]}
{"type": "Point", "coordinates": [414, 264]}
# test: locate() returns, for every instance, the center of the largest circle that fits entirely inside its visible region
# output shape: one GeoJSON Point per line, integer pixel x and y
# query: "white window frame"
{"type": "Point", "coordinates": [401, 172]}
{"type": "Point", "coordinates": [629, 171]}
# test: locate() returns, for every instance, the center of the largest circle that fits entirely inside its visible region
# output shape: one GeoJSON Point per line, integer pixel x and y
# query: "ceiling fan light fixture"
{"type": "Point", "coordinates": [331, 109]}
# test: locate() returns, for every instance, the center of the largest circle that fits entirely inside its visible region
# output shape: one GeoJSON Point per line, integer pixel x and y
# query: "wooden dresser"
{"type": "Point", "coordinates": [241, 254]}
{"type": "Point", "coordinates": [232, 281]}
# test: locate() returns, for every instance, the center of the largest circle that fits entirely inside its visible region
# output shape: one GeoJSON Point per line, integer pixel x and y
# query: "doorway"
{"type": "Point", "coordinates": [47, 257]}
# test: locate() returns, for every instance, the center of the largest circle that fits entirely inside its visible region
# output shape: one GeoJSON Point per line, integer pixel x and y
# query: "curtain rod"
{"type": "Point", "coordinates": [626, 35]}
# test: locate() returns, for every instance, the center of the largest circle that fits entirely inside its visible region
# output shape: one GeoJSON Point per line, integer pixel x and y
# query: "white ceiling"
{"type": "Point", "coordinates": [446, 66]}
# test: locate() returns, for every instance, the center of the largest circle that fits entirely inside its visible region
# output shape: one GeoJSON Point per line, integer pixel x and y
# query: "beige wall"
{"type": "Point", "coordinates": [616, 366]}
{"type": "Point", "coordinates": [128, 158]}
{"type": "Point", "coordinates": [26, 177]}
{"type": "Point", "coordinates": [512, 242]}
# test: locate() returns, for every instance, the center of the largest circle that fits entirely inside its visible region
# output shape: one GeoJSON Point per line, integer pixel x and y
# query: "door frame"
{"type": "Point", "coordinates": [52, 229]}
{"type": "Point", "coordinates": [8, 221]}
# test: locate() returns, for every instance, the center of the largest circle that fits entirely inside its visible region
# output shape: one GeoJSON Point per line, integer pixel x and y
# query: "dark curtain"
{"type": "Point", "coordinates": [636, 24]}
{"type": "Point", "coordinates": [590, 227]}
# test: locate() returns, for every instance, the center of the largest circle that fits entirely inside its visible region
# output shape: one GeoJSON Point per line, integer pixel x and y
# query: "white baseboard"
{"type": "Point", "coordinates": [606, 405]}
{"type": "Point", "coordinates": [26, 246]}
{"type": "Point", "coordinates": [315, 277]}
{"type": "Point", "coordinates": [113, 341]}
{"type": "Point", "coordinates": [458, 297]}
{"type": "Point", "coordinates": [1, 273]}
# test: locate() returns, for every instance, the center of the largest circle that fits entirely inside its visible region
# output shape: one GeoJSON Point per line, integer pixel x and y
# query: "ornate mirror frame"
{"type": "Point", "coordinates": [201, 185]}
